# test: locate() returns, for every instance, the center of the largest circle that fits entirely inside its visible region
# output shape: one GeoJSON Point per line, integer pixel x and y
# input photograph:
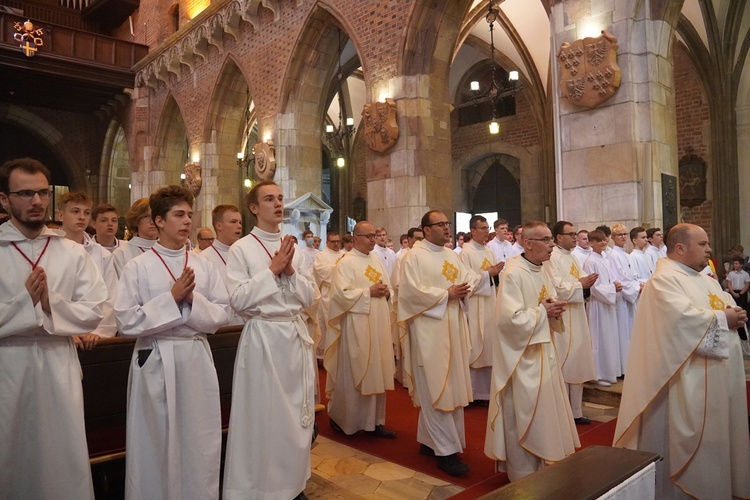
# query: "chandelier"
{"type": "Point", "coordinates": [337, 138]}
{"type": "Point", "coordinates": [496, 91]}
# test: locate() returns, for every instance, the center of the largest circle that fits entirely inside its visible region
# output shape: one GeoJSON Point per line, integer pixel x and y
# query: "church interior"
{"type": "Point", "coordinates": [381, 110]}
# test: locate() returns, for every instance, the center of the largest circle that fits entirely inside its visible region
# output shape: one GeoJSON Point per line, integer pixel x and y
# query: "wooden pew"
{"type": "Point", "coordinates": [105, 387]}
{"type": "Point", "coordinates": [587, 474]}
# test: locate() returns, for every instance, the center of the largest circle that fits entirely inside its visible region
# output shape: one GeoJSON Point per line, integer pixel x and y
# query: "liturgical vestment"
{"type": "Point", "coordinates": [480, 317]}
{"type": "Point", "coordinates": [323, 266]}
{"type": "Point", "coordinates": [573, 344]}
{"type": "Point", "coordinates": [529, 423]}
{"type": "Point", "coordinates": [217, 254]}
{"type": "Point", "coordinates": [42, 437]}
{"type": "Point", "coordinates": [688, 408]}
{"type": "Point", "coordinates": [436, 343]}
{"type": "Point", "coordinates": [271, 423]}
{"type": "Point", "coordinates": [129, 250]}
{"type": "Point", "coordinates": [603, 320]}
{"type": "Point", "coordinates": [173, 434]}
{"type": "Point", "coordinates": [359, 356]}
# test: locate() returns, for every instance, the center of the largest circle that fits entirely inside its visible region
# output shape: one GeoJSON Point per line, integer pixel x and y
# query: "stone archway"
{"type": "Point", "coordinates": [494, 185]}
{"type": "Point", "coordinates": [114, 170]}
{"type": "Point", "coordinates": [223, 139]}
{"type": "Point", "coordinates": [171, 147]}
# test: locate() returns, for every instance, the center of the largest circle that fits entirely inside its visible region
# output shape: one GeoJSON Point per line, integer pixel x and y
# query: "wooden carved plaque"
{"type": "Point", "coordinates": [692, 181]}
{"type": "Point", "coordinates": [381, 128]}
{"type": "Point", "coordinates": [589, 74]}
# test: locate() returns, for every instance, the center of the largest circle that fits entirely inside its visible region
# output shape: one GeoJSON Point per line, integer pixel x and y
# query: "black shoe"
{"type": "Point", "coordinates": [382, 432]}
{"type": "Point", "coordinates": [426, 450]}
{"type": "Point", "coordinates": [301, 496]}
{"type": "Point", "coordinates": [582, 421]}
{"type": "Point", "coordinates": [336, 427]}
{"type": "Point", "coordinates": [452, 465]}
{"type": "Point", "coordinates": [315, 432]}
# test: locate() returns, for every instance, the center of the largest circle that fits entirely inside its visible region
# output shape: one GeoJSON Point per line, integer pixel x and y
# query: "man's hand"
{"type": "Point", "coordinates": [736, 317]}
{"type": "Point", "coordinates": [86, 342]}
{"type": "Point", "coordinates": [34, 284]}
{"type": "Point", "coordinates": [379, 290]}
{"type": "Point", "coordinates": [184, 286]}
{"type": "Point", "coordinates": [495, 270]}
{"type": "Point", "coordinates": [618, 286]}
{"type": "Point", "coordinates": [588, 281]}
{"type": "Point", "coordinates": [554, 308]}
{"type": "Point", "coordinates": [458, 291]}
{"type": "Point", "coordinates": [282, 258]}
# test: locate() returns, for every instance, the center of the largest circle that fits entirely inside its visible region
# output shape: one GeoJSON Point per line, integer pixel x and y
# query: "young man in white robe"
{"type": "Point", "coordinates": [271, 423]}
{"type": "Point", "coordinates": [170, 299]}
{"type": "Point", "coordinates": [583, 247]}
{"type": "Point", "coordinates": [227, 222]}
{"type": "Point", "coordinates": [359, 354]}
{"type": "Point", "coordinates": [499, 245]}
{"type": "Point", "coordinates": [50, 290]}
{"type": "Point", "coordinates": [105, 222]}
{"type": "Point", "coordinates": [382, 252]}
{"type": "Point", "coordinates": [573, 341]}
{"type": "Point", "coordinates": [481, 305]}
{"type": "Point", "coordinates": [641, 263]}
{"type": "Point", "coordinates": [74, 213]}
{"type": "Point", "coordinates": [517, 246]}
{"type": "Point", "coordinates": [529, 423]}
{"type": "Point", "coordinates": [605, 344]}
{"type": "Point", "coordinates": [654, 250]}
{"type": "Point", "coordinates": [622, 269]}
{"type": "Point", "coordinates": [139, 222]}
{"type": "Point", "coordinates": [682, 398]}
{"type": "Point", "coordinates": [436, 344]}
{"type": "Point", "coordinates": [323, 266]}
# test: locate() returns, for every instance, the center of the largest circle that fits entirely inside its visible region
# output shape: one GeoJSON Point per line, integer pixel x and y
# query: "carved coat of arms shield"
{"type": "Point", "coordinates": [381, 128]}
{"type": "Point", "coordinates": [265, 161]}
{"type": "Point", "coordinates": [193, 180]}
{"type": "Point", "coordinates": [589, 74]}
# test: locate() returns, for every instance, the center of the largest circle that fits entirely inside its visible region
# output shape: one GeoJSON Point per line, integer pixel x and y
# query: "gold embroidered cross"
{"type": "Point", "coordinates": [486, 264]}
{"type": "Point", "coordinates": [543, 294]}
{"type": "Point", "coordinates": [450, 271]}
{"type": "Point", "coordinates": [372, 274]}
{"type": "Point", "coordinates": [716, 303]}
{"type": "Point", "coordinates": [574, 271]}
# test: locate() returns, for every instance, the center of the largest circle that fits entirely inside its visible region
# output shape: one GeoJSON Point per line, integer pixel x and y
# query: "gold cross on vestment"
{"type": "Point", "coordinates": [574, 271]}
{"type": "Point", "coordinates": [486, 264]}
{"type": "Point", "coordinates": [716, 303]}
{"type": "Point", "coordinates": [450, 271]}
{"type": "Point", "coordinates": [372, 274]}
{"type": "Point", "coordinates": [543, 294]}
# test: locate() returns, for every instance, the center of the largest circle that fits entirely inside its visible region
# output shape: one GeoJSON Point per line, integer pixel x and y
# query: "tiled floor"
{"type": "Point", "coordinates": [341, 472]}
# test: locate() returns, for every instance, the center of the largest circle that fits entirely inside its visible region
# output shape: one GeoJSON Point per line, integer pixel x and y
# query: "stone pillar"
{"type": "Point", "coordinates": [415, 176]}
{"type": "Point", "coordinates": [743, 156]}
{"type": "Point", "coordinates": [609, 159]}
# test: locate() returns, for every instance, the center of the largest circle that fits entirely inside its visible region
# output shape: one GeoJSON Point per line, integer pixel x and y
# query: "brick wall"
{"type": "Point", "coordinates": [693, 128]}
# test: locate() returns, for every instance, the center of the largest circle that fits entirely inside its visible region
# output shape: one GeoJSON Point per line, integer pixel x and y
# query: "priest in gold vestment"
{"type": "Point", "coordinates": [685, 396]}
{"type": "Point", "coordinates": [359, 354]}
{"type": "Point", "coordinates": [432, 286]}
{"type": "Point", "coordinates": [530, 423]}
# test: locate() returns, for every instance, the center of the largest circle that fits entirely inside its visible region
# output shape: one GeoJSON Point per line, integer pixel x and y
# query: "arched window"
{"type": "Point", "coordinates": [472, 110]}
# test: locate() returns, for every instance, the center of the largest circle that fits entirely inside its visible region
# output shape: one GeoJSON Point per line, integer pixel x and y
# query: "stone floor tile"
{"type": "Point", "coordinates": [357, 483]}
{"type": "Point", "coordinates": [405, 489]}
{"type": "Point", "coordinates": [430, 480]}
{"type": "Point", "coordinates": [331, 449]}
{"type": "Point", "coordinates": [444, 492]}
{"type": "Point", "coordinates": [386, 471]}
{"type": "Point", "coordinates": [342, 466]}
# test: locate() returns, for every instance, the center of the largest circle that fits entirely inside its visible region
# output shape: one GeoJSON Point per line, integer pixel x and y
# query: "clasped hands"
{"type": "Point", "coordinates": [736, 317]}
{"type": "Point", "coordinates": [282, 258]}
{"type": "Point", "coordinates": [554, 308]}
{"type": "Point", "coordinates": [459, 291]}
{"type": "Point", "coordinates": [36, 285]}
{"type": "Point", "coordinates": [379, 290]}
{"type": "Point", "coordinates": [182, 290]}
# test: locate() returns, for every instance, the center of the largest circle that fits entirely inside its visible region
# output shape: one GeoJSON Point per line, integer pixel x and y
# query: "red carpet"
{"type": "Point", "coordinates": [402, 416]}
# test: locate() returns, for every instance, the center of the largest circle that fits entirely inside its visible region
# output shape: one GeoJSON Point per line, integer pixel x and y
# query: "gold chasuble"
{"type": "Point", "coordinates": [438, 324]}
{"type": "Point", "coordinates": [574, 344]}
{"type": "Point", "coordinates": [690, 409]}
{"type": "Point", "coordinates": [366, 323]}
{"type": "Point", "coordinates": [529, 415]}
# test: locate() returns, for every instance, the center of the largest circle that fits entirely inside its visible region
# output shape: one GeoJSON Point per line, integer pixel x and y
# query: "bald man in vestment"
{"type": "Point", "coordinates": [685, 394]}
{"type": "Point", "coordinates": [359, 354]}
{"type": "Point", "coordinates": [530, 423]}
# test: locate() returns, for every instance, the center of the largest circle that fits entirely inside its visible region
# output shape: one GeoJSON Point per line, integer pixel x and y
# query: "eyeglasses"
{"type": "Point", "coordinates": [619, 234]}
{"type": "Point", "coordinates": [442, 224]}
{"type": "Point", "coordinates": [28, 194]}
{"type": "Point", "coordinates": [571, 234]}
{"type": "Point", "coordinates": [370, 236]}
{"type": "Point", "coordinates": [546, 240]}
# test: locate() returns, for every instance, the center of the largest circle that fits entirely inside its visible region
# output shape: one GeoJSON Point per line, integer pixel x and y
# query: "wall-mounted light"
{"type": "Point", "coordinates": [340, 162]}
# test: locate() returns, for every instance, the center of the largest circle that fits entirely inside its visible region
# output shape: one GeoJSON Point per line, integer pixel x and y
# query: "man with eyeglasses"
{"type": "Point", "coordinates": [623, 270]}
{"type": "Point", "coordinates": [477, 257]}
{"type": "Point", "coordinates": [205, 239]}
{"type": "Point", "coordinates": [530, 424]}
{"type": "Point", "coordinates": [433, 284]}
{"type": "Point", "coordinates": [323, 266]}
{"type": "Point", "coordinates": [573, 340]}
{"type": "Point", "coordinates": [50, 290]}
{"type": "Point", "coordinates": [359, 354]}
